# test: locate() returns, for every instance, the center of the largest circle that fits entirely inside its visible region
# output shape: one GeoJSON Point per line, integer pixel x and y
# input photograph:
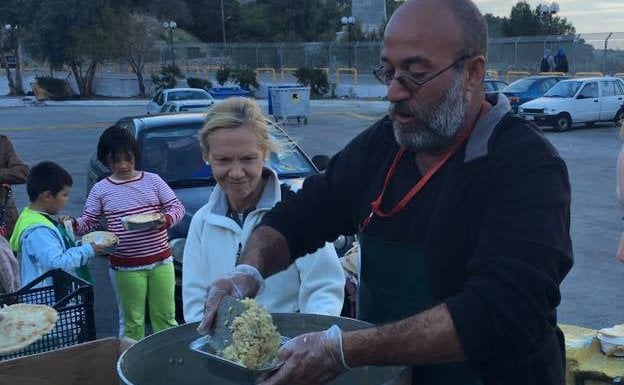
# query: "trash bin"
{"type": "Point", "coordinates": [226, 92]}
{"type": "Point", "coordinates": [290, 103]}
{"type": "Point", "coordinates": [269, 88]}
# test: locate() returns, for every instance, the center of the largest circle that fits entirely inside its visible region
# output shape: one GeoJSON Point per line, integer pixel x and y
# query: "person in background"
{"type": "Point", "coordinates": [548, 62]}
{"type": "Point", "coordinates": [12, 171]}
{"type": "Point", "coordinates": [235, 141]}
{"type": "Point", "coordinates": [41, 242]}
{"type": "Point", "coordinates": [462, 212]}
{"type": "Point", "coordinates": [142, 263]}
{"type": "Point", "coordinates": [561, 61]}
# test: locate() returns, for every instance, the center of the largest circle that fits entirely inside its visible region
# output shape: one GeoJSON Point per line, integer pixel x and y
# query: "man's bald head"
{"type": "Point", "coordinates": [471, 26]}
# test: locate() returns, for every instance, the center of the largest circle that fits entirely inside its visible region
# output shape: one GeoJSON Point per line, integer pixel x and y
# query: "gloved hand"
{"type": "Point", "coordinates": [244, 281]}
{"type": "Point", "coordinates": [313, 358]}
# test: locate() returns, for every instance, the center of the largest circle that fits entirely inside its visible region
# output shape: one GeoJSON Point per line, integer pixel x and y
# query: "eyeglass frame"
{"type": "Point", "coordinates": [413, 84]}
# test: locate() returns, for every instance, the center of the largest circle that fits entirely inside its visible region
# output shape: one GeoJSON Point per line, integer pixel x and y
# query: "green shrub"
{"type": "Point", "coordinates": [223, 74]}
{"type": "Point", "coordinates": [167, 77]}
{"type": "Point", "coordinates": [55, 88]}
{"type": "Point", "coordinates": [199, 83]}
{"type": "Point", "coordinates": [314, 78]}
{"type": "Point", "coordinates": [245, 78]}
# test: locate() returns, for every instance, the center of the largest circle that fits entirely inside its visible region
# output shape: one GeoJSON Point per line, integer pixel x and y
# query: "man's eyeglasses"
{"type": "Point", "coordinates": [407, 80]}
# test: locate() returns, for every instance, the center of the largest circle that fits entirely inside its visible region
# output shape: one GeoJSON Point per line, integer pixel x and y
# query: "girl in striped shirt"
{"type": "Point", "coordinates": [142, 263]}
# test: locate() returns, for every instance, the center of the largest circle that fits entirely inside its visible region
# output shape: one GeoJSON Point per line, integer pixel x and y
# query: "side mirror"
{"type": "Point", "coordinates": [320, 161]}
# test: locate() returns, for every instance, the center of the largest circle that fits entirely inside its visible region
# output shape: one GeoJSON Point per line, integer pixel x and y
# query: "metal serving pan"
{"type": "Point", "coordinates": [165, 358]}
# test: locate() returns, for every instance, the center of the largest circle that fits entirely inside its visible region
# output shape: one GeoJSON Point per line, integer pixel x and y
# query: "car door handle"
{"type": "Point", "coordinates": [595, 100]}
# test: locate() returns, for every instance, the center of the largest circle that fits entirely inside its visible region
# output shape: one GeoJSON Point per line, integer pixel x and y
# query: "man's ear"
{"type": "Point", "coordinates": [46, 195]}
{"type": "Point", "coordinates": [475, 67]}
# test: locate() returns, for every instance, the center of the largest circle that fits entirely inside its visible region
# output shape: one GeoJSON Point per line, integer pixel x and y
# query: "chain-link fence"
{"type": "Point", "coordinates": [352, 63]}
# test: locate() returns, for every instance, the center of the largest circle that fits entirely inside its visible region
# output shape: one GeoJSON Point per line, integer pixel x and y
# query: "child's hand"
{"type": "Point", "coordinates": [163, 223]}
{"type": "Point", "coordinates": [98, 249]}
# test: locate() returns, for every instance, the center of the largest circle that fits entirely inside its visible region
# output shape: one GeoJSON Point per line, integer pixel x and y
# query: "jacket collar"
{"type": "Point", "coordinates": [477, 146]}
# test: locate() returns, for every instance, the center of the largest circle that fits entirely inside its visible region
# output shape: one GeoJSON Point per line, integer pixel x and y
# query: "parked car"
{"type": "Point", "coordinates": [201, 105]}
{"type": "Point", "coordinates": [585, 100]}
{"type": "Point", "coordinates": [170, 94]}
{"type": "Point", "coordinates": [529, 88]}
{"type": "Point", "coordinates": [169, 147]}
{"type": "Point", "coordinates": [493, 86]}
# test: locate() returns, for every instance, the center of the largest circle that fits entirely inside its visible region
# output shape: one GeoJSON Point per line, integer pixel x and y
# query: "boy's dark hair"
{"type": "Point", "coordinates": [116, 141]}
{"type": "Point", "coordinates": [47, 176]}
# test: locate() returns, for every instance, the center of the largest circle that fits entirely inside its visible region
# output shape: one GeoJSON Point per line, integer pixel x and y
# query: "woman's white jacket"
{"type": "Point", "coordinates": [314, 283]}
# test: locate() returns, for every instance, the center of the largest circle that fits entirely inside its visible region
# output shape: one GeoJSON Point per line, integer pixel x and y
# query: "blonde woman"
{"type": "Point", "coordinates": [236, 143]}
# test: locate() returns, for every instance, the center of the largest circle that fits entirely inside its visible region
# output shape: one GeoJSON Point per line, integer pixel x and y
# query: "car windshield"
{"type": "Point", "coordinates": [563, 90]}
{"type": "Point", "coordinates": [187, 95]}
{"type": "Point", "coordinates": [173, 152]}
{"type": "Point", "coordinates": [521, 85]}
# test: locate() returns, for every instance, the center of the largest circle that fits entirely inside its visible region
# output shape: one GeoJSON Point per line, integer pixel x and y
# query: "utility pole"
{"type": "Point", "coordinates": [223, 22]}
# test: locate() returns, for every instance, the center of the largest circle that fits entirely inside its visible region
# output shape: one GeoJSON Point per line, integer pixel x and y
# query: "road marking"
{"type": "Point", "coordinates": [355, 115]}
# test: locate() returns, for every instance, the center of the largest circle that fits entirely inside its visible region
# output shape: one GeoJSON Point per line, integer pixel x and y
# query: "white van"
{"type": "Point", "coordinates": [583, 100]}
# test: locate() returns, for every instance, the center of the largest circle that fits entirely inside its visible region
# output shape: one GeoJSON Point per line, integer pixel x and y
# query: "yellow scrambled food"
{"type": "Point", "coordinates": [255, 339]}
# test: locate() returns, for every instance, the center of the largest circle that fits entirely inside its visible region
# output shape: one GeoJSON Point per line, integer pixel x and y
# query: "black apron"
{"type": "Point", "coordinates": [393, 286]}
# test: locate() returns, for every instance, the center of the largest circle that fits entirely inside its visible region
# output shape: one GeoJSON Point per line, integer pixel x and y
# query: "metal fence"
{"type": "Point", "coordinates": [508, 58]}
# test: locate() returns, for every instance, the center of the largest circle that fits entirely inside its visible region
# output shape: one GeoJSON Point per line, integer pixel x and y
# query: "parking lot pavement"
{"type": "Point", "coordinates": [592, 293]}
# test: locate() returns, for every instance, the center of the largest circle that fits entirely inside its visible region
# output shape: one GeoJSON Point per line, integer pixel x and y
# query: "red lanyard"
{"type": "Point", "coordinates": [376, 204]}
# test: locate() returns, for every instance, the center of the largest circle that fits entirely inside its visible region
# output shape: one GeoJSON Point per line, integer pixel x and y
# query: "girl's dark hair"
{"type": "Point", "coordinates": [117, 141]}
{"type": "Point", "coordinates": [46, 176]}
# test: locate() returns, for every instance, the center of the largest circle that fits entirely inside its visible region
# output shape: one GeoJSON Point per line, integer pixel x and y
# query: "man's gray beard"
{"type": "Point", "coordinates": [435, 127]}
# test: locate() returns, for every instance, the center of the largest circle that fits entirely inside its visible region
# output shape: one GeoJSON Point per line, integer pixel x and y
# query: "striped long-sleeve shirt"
{"type": "Point", "coordinates": [147, 193]}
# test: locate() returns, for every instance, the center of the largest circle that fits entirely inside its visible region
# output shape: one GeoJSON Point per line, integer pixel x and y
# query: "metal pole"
{"type": "Point", "coordinates": [171, 46]}
{"type": "Point", "coordinates": [604, 55]}
{"type": "Point", "coordinates": [223, 22]}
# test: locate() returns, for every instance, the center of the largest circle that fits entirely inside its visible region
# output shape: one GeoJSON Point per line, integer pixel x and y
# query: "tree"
{"type": "Point", "coordinates": [15, 15]}
{"type": "Point", "coordinates": [525, 21]}
{"type": "Point", "coordinates": [137, 37]}
{"type": "Point", "coordinates": [76, 33]}
{"type": "Point", "coordinates": [495, 25]}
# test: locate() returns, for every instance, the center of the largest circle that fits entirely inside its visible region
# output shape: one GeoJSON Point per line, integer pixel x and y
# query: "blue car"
{"type": "Point", "coordinates": [527, 89]}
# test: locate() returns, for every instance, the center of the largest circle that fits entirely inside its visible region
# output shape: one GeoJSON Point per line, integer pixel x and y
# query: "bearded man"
{"type": "Point", "coordinates": [462, 211]}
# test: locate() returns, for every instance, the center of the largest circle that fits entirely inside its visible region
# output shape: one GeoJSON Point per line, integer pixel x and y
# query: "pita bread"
{"type": "Point", "coordinates": [104, 238]}
{"type": "Point", "coordinates": [140, 219]}
{"type": "Point", "coordinates": [22, 324]}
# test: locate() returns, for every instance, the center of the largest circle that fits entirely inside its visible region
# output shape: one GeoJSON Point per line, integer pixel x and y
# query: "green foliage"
{"type": "Point", "coordinates": [494, 24]}
{"type": "Point", "coordinates": [167, 77]}
{"type": "Point", "coordinates": [525, 21]}
{"type": "Point", "coordinates": [245, 78]}
{"type": "Point", "coordinates": [199, 83]}
{"type": "Point", "coordinates": [223, 74]}
{"type": "Point", "coordinates": [56, 88]}
{"type": "Point", "coordinates": [314, 78]}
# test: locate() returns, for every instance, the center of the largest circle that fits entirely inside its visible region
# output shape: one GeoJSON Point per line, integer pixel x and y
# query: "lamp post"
{"type": "Point", "coordinates": [170, 26]}
{"type": "Point", "coordinates": [347, 22]}
{"type": "Point", "coordinates": [223, 22]}
{"type": "Point", "coordinates": [548, 9]}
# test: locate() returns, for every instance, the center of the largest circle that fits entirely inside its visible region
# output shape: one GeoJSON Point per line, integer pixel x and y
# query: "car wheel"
{"type": "Point", "coordinates": [619, 117]}
{"type": "Point", "coordinates": [563, 122]}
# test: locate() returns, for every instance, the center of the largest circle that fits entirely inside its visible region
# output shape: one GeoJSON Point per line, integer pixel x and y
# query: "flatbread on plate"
{"type": "Point", "coordinates": [22, 324]}
{"type": "Point", "coordinates": [143, 218]}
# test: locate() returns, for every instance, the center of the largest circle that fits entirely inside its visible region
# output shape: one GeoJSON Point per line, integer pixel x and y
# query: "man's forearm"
{"type": "Point", "coordinates": [267, 250]}
{"type": "Point", "coordinates": [426, 338]}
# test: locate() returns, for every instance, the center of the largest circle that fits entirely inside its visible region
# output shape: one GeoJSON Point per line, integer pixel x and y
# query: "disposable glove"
{"type": "Point", "coordinates": [242, 282]}
{"type": "Point", "coordinates": [313, 358]}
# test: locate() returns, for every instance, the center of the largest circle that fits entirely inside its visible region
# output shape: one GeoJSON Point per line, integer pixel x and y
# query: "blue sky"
{"type": "Point", "coordinates": [587, 16]}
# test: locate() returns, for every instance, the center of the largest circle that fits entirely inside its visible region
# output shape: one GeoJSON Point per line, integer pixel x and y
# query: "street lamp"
{"type": "Point", "coordinates": [548, 9]}
{"type": "Point", "coordinates": [170, 26]}
{"type": "Point", "coordinates": [347, 22]}
{"type": "Point", "coordinates": [223, 22]}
